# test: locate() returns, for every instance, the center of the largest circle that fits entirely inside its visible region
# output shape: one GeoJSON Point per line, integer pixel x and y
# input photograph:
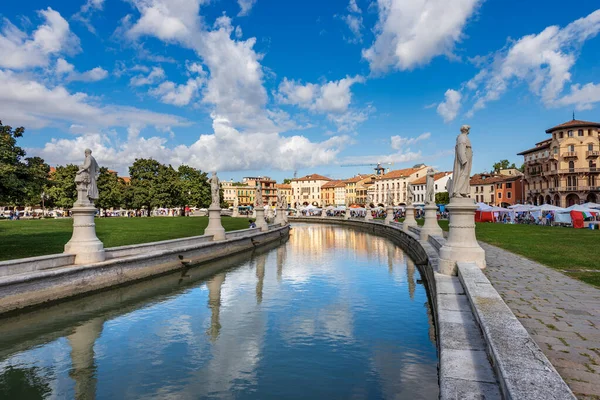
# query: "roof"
{"type": "Point", "coordinates": [357, 178]}
{"type": "Point", "coordinates": [126, 179]}
{"type": "Point", "coordinates": [283, 186]}
{"type": "Point", "coordinates": [401, 173]}
{"type": "Point", "coordinates": [485, 179]}
{"type": "Point", "coordinates": [340, 184]}
{"type": "Point", "coordinates": [574, 123]}
{"type": "Point", "coordinates": [423, 180]}
{"type": "Point", "coordinates": [330, 184]}
{"type": "Point", "coordinates": [536, 148]}
{"type": "Point", "coordinates": [312, 177]}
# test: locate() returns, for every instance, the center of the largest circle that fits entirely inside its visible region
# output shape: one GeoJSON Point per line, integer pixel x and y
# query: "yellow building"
{"type": "Point", "coordinates": [328, 193]}
{"type": "Point", "coordinates": [286, 190]}
{"type": "Point", "coordinates": [562, 170]}
{"type": "Point", "coordinates": [356, 191]}
{"type": "Point", "coordinates": [307, 190]}
{"type": "Point", "coordinates": [245, 194]}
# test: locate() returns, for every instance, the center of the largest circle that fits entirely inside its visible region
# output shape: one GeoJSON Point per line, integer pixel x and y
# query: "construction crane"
{"type": "Point", "coordinates": [379, 170]}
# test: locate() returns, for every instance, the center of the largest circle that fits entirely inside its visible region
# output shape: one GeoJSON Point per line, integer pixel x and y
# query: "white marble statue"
{"type": "Point", "coordinates": [86, 177]}
{"type": "Point", "coordinates": [369, 201]}
{"type": "Point", "coordinates": [411, 194]}
{"type": "Point", "coordinates": [214, 190]}
{"type": "Point", "coordinates": [258, 197]}
{"type": "Point", "coordinates": [389, 200]}
{"type": "Point", "coordinates": [280, 197]}
{"type": "Point", "coordinates": [236, 202]}
{"type": "Point", "coordinates": [430, 192]}
{"type": "Point", "coordinates": [463, 160]}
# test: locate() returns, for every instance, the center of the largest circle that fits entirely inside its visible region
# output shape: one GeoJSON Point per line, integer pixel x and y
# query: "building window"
{"type": "Point", "coordinates": [509, 185]}
{"type": "Point", "coordinates": [580, 132]}
{"type": "Point", "coordinates": [571, 165]}
{"type": "Point", "coordinates": [560, 135]}
{"type": "Point", "coordinates": [572, 148]}
{"type": "Point", "coordinates": [570, 133]}
{"type": "Point", "coordinates": [509, 195]}
{"type": "Point", "coordinates": [499, 195]}
{"type": "Point", "coordinates": [590, 147]}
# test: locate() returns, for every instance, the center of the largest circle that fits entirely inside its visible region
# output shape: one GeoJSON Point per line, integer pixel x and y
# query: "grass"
{"type": "Point", "coordinates": [574, 252]}
{"type": "Point", "coordinates": [29, 238]}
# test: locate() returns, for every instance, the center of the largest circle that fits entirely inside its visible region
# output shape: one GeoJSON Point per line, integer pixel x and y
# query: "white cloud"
{"type": "Point", "coordinates": [399, 142]}
{"type": "Point", "coordinates": [168, 20]}
{"type": "Point", "coordinates": [21, 51]}
{"type": "Point", "coordinates": [349, 121]}
{"type": "Point", "coordinates": [355, 24]}
{"type": "Point", "coordinates": [85, 12]}
{"type": "Point", "coordinates": [582, 97]}
{"type": "Point", "coordinates": [543, 61]}
{"type": "Point", "coordinates": [156, 75]}
{"type": "Point", "coordinates": [411, 33]}
{"type": "Point", "coordinates": [353, 7]}
{"type": "Point", "coordinates": [448, 109]}
{"type": "Point", "coordinates": [225, 150]}
{"type": "Point", "coordinates": [245, 7]}
{"type": "Point", "coordinates": [331, 97]}
{"type": "Point", "coordinates": [65, 69]}
{"type": "Point", "coordinates": [27, 102]}
{"type": "Point", "coordinates": [395, 158]}
{"type": "Point", "coordinates": [178, 95]}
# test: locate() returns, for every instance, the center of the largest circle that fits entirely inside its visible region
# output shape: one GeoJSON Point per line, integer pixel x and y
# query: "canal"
{"type": "Point", "coordinates": [332, 313]}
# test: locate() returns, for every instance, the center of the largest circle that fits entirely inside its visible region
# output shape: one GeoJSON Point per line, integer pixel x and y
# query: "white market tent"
{"type": "Point", "coordinates": [483, 207]}
{"type": "Point", "coordinates": [521, 207]}
{"type": "Point", "coordinates": [564, 216]}
{"type": "Point", "coordinates": [547, 207]}
{"type": "Point", "coordinates": [499, 209]}
{"type": "Point", "coordinates": [592, 205]}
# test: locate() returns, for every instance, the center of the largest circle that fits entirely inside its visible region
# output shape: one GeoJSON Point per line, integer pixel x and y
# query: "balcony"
{"type": "Point", "coordinates": [592, 154]}
{"type": "Point", "coordinates": [570, 154]}
{"type": "Point", "coordinates": [577, 189]}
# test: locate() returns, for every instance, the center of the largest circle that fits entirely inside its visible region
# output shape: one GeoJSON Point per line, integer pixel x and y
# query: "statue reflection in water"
{"type": "Point", "coordinates": [261, 261]}
{"type": "Point", "coordinates": [83, 369]}
{"type": "Point", "coordinates": [281, 257]}
{"type": "Point", "coordinates": [214, 303]}
{"type": "Point", "coordinates": [410, 277]}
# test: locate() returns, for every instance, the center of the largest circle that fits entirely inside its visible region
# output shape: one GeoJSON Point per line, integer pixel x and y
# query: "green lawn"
{"type": "Point", "coordinates": [29, 238]}
{"type": "Point", "coordinates": [568, 250]}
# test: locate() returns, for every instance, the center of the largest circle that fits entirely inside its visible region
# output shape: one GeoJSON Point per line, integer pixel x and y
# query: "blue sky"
{"type": "Point", "coordinates": [268, 87]}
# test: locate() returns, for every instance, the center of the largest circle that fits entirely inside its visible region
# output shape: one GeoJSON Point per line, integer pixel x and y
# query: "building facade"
{"type": "Point", "coordinates": [328, 193]}
{"type": "Point", "coordinates": [396, 182]}
{"type": "Point", "coordinates": [483, 188]}
{"type": "Point", "coordinates": [269, 192]}
{"type": "Point", "coordinates": [509, 190]}
{"type": "Point", "coordinates": [307, 190]}
{"type": "Point", "coordinates": [340, 193]}
{"type": "Point", "coordinates": [286, 190]}
{"type": "Point", "coordinates": [229, 191]}
{"type": "Point", "coordinates": [440, 180]}
{"type": "Point", "coordinates": [563, 169]}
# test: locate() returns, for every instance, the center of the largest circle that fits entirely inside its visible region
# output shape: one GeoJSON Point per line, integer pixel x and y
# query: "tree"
{"type": "Point", "coordinates": [143, 174]}
{"type": "Point", "coordinates": [61, 189]}
{"type": "Point", "coordinates": [194, 186]}
{"type": "Point", "coordinates": [442, 198]}
{"type": "Point", "coordinates": [166, 188]}
{"type": "Point", "coordinates": [287, 181]}
{"type": "Point", "coordinates": [21, 178]}
{"type": "Point", "coordinates": [109, 190]}
{"type": "Point", "coordinates": [503, 164]}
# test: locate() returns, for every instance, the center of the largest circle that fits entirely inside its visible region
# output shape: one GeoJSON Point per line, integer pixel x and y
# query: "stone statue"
{"type": "Point", "coordinates": [214, 190]}
{"type": "Point", "coordinates": [236, 202]}
{"type": "Point", "coordinates": [461, 174]}
{"type": "Point", "coordinates": [258, 197]}
{"type": "Point", "coordinates": [430, 192]}
{"type": "Point", "coordinates": [86, 179]}
{"type": "Point", "coordinates": [279, 199]}
{"type": "Point", "coordinates": [389, 200]}
{"type": "Point", "coordinates": [369, 201]}
{"type": "Point", "coordinates": [411, 194]}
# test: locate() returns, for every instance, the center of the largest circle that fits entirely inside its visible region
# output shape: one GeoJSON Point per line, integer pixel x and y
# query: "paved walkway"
{"type": "Point", "coordinates": [560, 313]}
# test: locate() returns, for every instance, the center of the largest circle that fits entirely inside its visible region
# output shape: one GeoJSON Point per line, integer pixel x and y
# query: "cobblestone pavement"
{"type": "Point", "coordinates": [560, 313]}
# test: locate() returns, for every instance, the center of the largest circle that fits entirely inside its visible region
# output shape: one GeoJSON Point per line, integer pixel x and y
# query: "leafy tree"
{"type": "Point", "coordinates": [61, 189]}
{"type": "Point", "coordinates": [21, 179]}
{"type": "Point", "coordinates": [109, 190]}
{"type": "Point", "coordinates": [287, 181]}
{"type": "Point", "coordinates": [503, 164]}
{"type": "Point", "coordinates": [194, 187]}
{"type": "Point", "coordinates": [144, 173]}
{"type": "Point", "coordinates": [442, 198]}
{"type": "Point", "coordinates": [166, 188]}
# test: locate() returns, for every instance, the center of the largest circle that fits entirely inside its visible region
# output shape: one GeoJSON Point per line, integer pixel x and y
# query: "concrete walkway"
{"type": "Point", "coordinates": [560, 313]}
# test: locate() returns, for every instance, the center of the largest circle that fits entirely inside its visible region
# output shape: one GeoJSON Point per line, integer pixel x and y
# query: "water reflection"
{"type": "Point", "coordinates": [332, 313]}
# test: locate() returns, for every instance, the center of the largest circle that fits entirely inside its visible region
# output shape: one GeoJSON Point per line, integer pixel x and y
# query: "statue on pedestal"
{"type": "Point", "coordinates": [258, 197]}
{"type": "Point", "coordinates": [430, 192]}
{"type": "Point", "coordinates": [461, 174]}
{"type": "Point", "coordinates": [87, 189]}
{"type": "Point", "coordinates": [411, 194]}
{"type": "Point", "coordinates": [214, 190]}
{"type": "Point", "coordinates": [390, 199]}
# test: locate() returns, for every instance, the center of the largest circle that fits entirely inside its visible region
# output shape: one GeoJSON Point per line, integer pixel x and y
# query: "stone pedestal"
{"type": "Point", "coordinates": [269, 213]}
{"type": "Point", "coordinates": [235, 213]}
{"type": "Point", "coordinates": [409, 218]}
{"type": "Point", "coordinates": [368, 215]}
{"type": "Point", "coordinates": [254, 213]}
{"type": "Point", "coordinates": [347, 213]}
{"type": "Point", "coordinates": [389, 215]}
{"type": "Point", "coordinates": [431, 226]}
{"type": "Point", "coordinates": [214, 227]}
{"type": "Point", "coordinates": [279, 216]}
{"type": "Point", "coordinates": [260, 219]}
{"type": "Point", "coordinates": [84, 243]}
{"type": "Point", "coordinates": [461, 245]}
